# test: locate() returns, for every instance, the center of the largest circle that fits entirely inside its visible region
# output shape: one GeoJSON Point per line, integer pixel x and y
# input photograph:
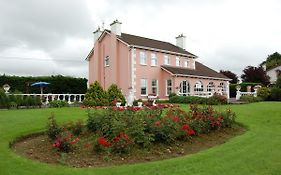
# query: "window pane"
{"type": "Point", "coordinates": [142, 58]}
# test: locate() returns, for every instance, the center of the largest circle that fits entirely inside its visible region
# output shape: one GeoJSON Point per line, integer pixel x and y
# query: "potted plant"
{"type": "Point", "coordinates": [118, 102]}
{"type": "Point", "coordinates": [139, 102]}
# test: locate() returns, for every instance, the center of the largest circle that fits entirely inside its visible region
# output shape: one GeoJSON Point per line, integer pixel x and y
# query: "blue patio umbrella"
{"type": "Point", "coordinates": [40, 84]}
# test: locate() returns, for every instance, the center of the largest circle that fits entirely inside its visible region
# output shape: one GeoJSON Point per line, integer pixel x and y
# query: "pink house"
{"type": "Point", "coordinates": [144, 66]}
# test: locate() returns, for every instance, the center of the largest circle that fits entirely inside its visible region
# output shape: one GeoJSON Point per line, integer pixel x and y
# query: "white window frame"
{"type": "Point", "coordinates": [106, 61]}
{"type": "Point", "coordinates": [153, 59]}
{"type": "Point", "coordinates": [154, 86]}
{"type": "Point", "coordinates": [145, 86]}
{"type": "Point", "coordinates": [198, 88]}
{"type": "Point", "coordinates": [169, 86]}
{"type": "Point", "coordinates": [178, 61]}
{"type": "Point", "coordinates": [211, 87]}
{"type": "Point", "coordinates": [166, 60]}
{"type": "Point", "coordinates": [143, 58]}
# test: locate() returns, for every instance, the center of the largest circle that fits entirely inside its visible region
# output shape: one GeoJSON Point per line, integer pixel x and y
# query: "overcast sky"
{"type": "Point", "coordinates": [54, 37]}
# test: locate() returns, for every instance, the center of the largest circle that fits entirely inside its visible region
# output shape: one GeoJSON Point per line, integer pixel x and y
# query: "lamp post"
{"type": "Point", "coordinates": [6, 88]}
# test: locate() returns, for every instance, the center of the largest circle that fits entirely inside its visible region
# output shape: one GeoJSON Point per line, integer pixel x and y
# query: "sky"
{"type": "Point", "coordinates": [53, 37]}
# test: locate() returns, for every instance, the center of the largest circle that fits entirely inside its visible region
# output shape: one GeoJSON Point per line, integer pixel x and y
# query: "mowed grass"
{"type": "Point", "coordinates": [258, 151]}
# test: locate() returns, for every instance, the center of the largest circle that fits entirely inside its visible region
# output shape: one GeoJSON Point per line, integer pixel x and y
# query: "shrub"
{"type": "Point", "coordinates": [275, 94]}
{"type": "Point", "coordinates": [263, 93]}
{"type": "Point", "coordinates": [278, 82]}
{"type": "Point", "coordinates": [114, 93]}
{"type": "Point", "coordinates": [65, 143]}
{"type": "Point", "coordinates": [96, 96]}
{"type": "Point", "coordinates": [172, 95]}
{"type": "Point", "coordinates": [53, 129]}
{"type": "Point", "coordinates": [4, 100]}
{"type": "Point", "coordinates": [118, 130]}
{"type": "Point", "coordinates": [250, 99]}
{"type": "Point", "coordinates": [75, 128]}
{"type": "Point", "coordinates": [58, 104]}
{"type": "Point", "coordinates": [216, 99]}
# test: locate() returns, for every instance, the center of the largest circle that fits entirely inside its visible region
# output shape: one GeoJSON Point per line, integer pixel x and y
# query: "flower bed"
{"type": "Point", "coordinates": [128, 135]}
{"type": "Point", "coordinates": [122, 129]}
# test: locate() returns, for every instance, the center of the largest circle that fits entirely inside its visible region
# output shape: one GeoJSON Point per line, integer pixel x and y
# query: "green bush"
{"type": "Point", "coordinates": [275, 94]}
{"type": "Point", "coordinates": [53, 129]}
{"type": "Point", "coordinates": [96, 96]}
{"type": "Point", "coordinates": [263, 93]}
{"type": "Point", "coordinates": [58, 84]}
{"type": "Point", "coordinates": [114, 94]}
{"type": "Point", "coordinates": [4, 99]}
{"type": "Point", "coordinates": [214, 100]}
{"type": "Point", "coordinates": [250, 99]}
{"type": "Point", "coordinates": [76, 128]}
{"type": "Point", "coordinates": [58, 104]}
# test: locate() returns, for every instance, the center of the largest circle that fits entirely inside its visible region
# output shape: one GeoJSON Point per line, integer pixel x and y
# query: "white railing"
{"type": "Point", "coordinates": [203, 94]}
{"type": "Point", "coordinates": [239, 94]}
{"type": "Point", "coordinates": [46, 98]}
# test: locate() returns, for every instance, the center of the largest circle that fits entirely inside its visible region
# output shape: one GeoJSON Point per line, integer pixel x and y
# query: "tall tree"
{"type": "Point", "coordinates": [255, 75]}
{"type": "Point", "coordinates": [230, 75]}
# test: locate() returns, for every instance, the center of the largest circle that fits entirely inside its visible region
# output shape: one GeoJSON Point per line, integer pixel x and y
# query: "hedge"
{"type": "Point", "coordinates": [58, 84]}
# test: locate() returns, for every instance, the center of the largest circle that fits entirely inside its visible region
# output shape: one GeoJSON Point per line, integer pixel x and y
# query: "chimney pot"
{"type": "Point", "coordinates": [181, 41]}
{"type": "Point", "coordinates": [116, 27]}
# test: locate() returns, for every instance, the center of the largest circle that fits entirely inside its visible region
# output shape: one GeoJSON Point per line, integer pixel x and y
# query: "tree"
{"type": "Point", "coordinates": [255, 75]}
{"type": "Point", "coordinates": [230, 75]}
{"type": "Point", "coordinates": [96, 96]}
{"type": "Point", "coordinates": [114, 93]}
{"type": "Point", "coordinates": [273, 60]}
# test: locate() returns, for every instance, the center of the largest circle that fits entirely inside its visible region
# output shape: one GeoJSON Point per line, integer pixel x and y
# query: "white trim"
{"type": "Point", "coordinates": [164, 51]}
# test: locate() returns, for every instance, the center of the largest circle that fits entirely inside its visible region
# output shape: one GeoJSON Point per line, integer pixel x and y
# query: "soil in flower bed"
{"type": "Point", "coordinates": [40, 148]}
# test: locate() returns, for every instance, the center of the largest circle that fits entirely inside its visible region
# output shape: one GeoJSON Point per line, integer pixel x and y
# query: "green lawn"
{"type": "Point", "coordinates": [258, 151]}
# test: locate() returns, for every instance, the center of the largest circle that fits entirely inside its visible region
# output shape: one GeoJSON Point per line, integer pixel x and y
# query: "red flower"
{"type": "Point", "coordinates": [176, 119]}
{"type": "Point", "coordinates": [104, 142]}
{"type": "Point", "coordinates": [116, 139]}
{"type": "Point", "coordinates": [185, 127]}
{"type": "Point", "coordinates": [157, 123]}
{"type": "Point", "coordinates": [122, 134]}
{"type": "Point", "coordinates": [190, 132]}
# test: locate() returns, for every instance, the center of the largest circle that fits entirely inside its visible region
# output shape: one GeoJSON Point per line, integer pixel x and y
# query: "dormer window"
{"type": "Point", "coordinates": [178, 62]}
{"type": "Point", "coordinates": [166, 60]}
{"type": "Point", "coordinates": [106, 61]}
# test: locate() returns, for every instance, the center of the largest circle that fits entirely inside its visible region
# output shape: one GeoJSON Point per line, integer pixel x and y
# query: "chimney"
{"type": "Point", "coordinates": [116, 27]}
{"type": "Point", "coordinates": [97, 34]}
{"type": "Point", "coordinates": [181, 41]}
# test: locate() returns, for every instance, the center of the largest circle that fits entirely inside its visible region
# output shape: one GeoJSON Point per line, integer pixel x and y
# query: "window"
{"type": "Point", "coordinates": [186, 63]}
{"type": "Point", "coordinates": [198, 88]}
{"type": "Point", "coordinates": [153, 59]}
{"type": "Point", "coordinates": [166, 60]}
{"type": "Point", "coordinates": [210, 87]}
{"type": "Point", "coordinates": [154, 87]}
{"type": "Point", "coordinates": [142, 58]}
{"type": "Point", "coordinates": [106, 61]}
{"type": "Point", "coordinates": [184, 88]}
{"type": "Point", "coordinates": [222, 88]}
{"type": "Point", "coordinates": [178, 63]}
{"type": "Point", "coordinates": [143, 86]}
{"type": "Point", "coordinates": [168, 87]}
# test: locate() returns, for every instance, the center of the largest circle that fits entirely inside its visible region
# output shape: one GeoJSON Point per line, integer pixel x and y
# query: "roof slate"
{"type": "Point", "coordinates": [200, 70]}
